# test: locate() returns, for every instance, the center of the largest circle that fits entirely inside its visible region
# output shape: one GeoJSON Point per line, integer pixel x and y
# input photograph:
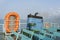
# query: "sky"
{"type": "Point", "coordinates": [49, 9]}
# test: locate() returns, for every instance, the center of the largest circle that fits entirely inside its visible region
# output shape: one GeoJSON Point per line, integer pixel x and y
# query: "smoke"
{"type": "Point", "coordinates": [53, 16]}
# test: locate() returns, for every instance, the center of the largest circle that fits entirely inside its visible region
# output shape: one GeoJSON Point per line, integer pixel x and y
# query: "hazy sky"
{"type": "Point", "coordinates": [46, 8]}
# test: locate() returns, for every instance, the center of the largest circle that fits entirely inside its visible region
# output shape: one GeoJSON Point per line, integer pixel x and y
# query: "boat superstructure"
{"type": "Point", "coordinates": [36, 29]}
